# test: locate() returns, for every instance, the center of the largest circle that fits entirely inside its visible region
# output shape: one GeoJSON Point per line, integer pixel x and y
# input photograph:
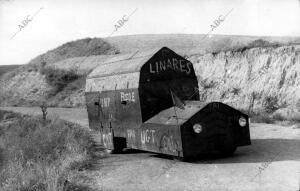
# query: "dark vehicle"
{"type": "Point", "coordinates": [151, 102]}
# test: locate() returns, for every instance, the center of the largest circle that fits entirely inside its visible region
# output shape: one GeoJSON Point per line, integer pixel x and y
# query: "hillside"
{"type": "Point", "coordinates": [78, 48]}
{"type": "Point", "coordinates": [259, 80]}
{"type": "Point", "coordinates": [229, 69]}
{"type": "Point", "coordinates": [7, 68]}
{"type": "Point", "coordinates": [28, 84]}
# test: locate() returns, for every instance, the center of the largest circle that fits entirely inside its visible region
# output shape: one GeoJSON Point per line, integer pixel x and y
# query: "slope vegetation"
{"type": "Point", "coordinates": [259, 80]}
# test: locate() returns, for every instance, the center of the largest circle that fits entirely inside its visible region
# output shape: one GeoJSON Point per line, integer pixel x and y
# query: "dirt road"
{"type": "Point", "coordinates": [272, 162]}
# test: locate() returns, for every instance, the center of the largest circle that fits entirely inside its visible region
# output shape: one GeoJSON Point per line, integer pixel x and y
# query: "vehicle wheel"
{"type": "Point", "coordinates": [119, 144]}
{"type": "Point", "coordinates": [227, 145]}
{"type": "Point", "coordinates": [229, 151]}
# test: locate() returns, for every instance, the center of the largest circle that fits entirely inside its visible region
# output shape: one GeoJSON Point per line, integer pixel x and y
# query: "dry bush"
{"type": "Point", "coordinates": [262, 118]}
{"type": "Point", "coordinates": [36, 155]}
{"type": "Point", "coordinates": [207, 84]}
{"type": "Point", "coordinates": [59, 78]}
{"type": "Point", "coordinates": [270, 104]}
{"type": "Point", "coordinates": [258, 43]}
{"type": "Point", "coordinates": [235, 90]}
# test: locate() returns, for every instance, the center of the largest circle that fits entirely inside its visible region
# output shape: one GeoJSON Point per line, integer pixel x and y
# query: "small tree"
{"type": "Point", "coordinates": [253, 96]}
{"type": "Point", "coordinates": [44, 107]}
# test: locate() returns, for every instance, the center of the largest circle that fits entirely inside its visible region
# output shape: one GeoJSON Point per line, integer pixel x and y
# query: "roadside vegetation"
{"type": "Point", "coordinates": [37, 154]}
{"type": "Point", "coordinates": [263, 117]}
{"type": "Point", "coordinates": [270, 112]}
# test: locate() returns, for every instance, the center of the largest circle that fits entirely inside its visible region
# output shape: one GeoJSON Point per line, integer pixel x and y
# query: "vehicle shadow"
{"type": "Point", "coordinates": [266, 150]}
{"type": "Point", "coordinates": [260, 151]}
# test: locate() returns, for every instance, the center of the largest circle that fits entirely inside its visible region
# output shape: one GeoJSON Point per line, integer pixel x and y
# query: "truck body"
{"type": "Point", "coordinates": [151, 102]}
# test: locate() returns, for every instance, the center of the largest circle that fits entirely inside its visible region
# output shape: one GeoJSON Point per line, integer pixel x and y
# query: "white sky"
{"type": "Point", "coordinates": [61, 21]}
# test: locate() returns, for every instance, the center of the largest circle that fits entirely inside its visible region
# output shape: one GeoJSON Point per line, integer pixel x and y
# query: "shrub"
{"type": "Point", "coordinates": [59, 78]}
{"type": "Point", "coordinates": [236, 90]}
{"type": "Point", "coordinates": [77, 84]}
{"type": "Point", "coordinates": [36, 155]}
{"type": "Point", "coordinates": [259, 43]}
{"type": "Point", "coordinates": [207, 84]}
{"type": "Point", "coordinates": [278, 117]}
{"type": "Point", "coordinates": [270, 104]}
{"type": "Point", "coordinates": [256, 44]}
{"type": "Point", "coordinates": [261, 118]}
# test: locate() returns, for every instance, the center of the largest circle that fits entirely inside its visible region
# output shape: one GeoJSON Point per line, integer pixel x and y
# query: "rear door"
{"type": "Point", "coordinates": [93, 109]}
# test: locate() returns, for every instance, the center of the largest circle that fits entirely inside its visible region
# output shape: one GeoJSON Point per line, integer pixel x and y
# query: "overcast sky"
{"type": "Point", "coordinates": [60, 21]}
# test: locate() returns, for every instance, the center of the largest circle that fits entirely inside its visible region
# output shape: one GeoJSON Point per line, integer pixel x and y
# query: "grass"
{"type": "Point", "coordinates": [37, 154]}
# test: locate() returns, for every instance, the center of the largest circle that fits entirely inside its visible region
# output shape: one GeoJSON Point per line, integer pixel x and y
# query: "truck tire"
{"type": "Point", "coordinates": [119, 144]}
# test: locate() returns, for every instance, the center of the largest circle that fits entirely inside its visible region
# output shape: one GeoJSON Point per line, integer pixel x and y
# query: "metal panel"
{"type": "Point", "coordinates": [114, 82]}
{"type": "Point", "coordinates": [128, 108]}
{"type": "Point", "coordinates": [219, 130]}
{"type": "Point", "coordinates": [166, 65]}
{"type": "Point", "coordinates": [157, 138]}
{"type": "Point", "coordinates": [164, 72]}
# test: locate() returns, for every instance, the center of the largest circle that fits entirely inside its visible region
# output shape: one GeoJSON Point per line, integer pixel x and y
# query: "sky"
{"type": "Point", "coordinates": [54, 22]}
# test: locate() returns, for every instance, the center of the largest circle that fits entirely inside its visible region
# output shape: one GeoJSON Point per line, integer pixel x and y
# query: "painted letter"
{"type": "Point", "coordinates": [188, 68]}
{"type": "Point", "coordinates": [133, 97]}
{"type": "Point", "coordinates": [156, 63]}
{"type": "Point", "coordinates": [162, 66]}
{"type": "Point", "coordinates": [169, 64]}
{"type": "Point", "coordinates": [143, 138]}
{"type": "Point", "coordinates": [152, 132]}
{"type": "Point", "coordinates": [147, 136]}
{"type": "Point", "coordinates": [175, 62]}
{"type": "Point", "coordinates": [122, 96]}
{"type": "Point", "coordinates": [151, 71]}
{"type": "Point", "coordinates": [181, 65]}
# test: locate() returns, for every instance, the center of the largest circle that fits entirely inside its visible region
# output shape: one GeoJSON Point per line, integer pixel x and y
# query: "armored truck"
{"type": "Point", "coordinates": [150, 101]}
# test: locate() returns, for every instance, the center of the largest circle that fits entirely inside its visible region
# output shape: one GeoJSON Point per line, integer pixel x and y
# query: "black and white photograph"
{"type": "Point", "coordinates": [150, 95]}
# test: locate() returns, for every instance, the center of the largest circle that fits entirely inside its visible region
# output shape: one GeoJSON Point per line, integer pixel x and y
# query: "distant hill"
{"type": "Point", "coordinates": [7, 68]}
{"type": "Point", "coordinates": [187, 44]}
{"type": "Point", "coordinates": [77, 48]}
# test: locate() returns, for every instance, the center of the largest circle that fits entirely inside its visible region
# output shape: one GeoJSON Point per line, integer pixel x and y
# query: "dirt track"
{"type": "Point", "coordinates": [272, 162]}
